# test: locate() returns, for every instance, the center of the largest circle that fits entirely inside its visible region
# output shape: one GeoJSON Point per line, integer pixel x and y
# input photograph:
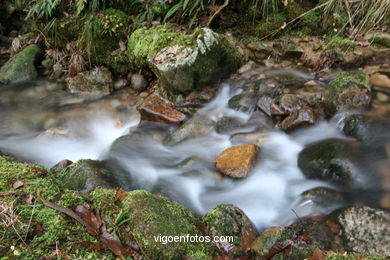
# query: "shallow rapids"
{"type": "Point", "coordinates": [185, 171]}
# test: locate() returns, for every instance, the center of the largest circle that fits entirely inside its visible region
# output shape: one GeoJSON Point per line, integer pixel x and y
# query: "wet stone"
{"type": "Point", "coordinates": [156, 109]}
{"type": "Point", "coordinates": [237, 161]}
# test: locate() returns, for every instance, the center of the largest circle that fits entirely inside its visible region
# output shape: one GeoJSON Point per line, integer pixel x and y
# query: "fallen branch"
{"type": "Point", "coordinates": [217, 12]}
{"type": "Point", "coordinates": [95, 226]}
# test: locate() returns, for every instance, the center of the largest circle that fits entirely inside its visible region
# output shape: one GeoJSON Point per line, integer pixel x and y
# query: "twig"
{"type": "Point", "coordinates": [217, 12]}
{"type": "Point", "coordinates": [59, 208]}
{"type": "Point", "coordinates": [29, 222]}
{"type": "Point", "coordinates": [293, 20]}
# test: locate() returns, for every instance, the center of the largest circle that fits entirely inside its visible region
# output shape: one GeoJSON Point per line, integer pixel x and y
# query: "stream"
{"type": "Point", "coordinates": [103, 128]}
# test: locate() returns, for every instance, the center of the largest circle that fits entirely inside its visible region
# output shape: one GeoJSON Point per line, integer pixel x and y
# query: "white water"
{"type": "Point", "coordinates": [266, 196]}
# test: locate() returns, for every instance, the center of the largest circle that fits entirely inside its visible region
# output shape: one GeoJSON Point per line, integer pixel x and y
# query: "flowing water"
{"type": "Point", "coordinates": [184, 172]}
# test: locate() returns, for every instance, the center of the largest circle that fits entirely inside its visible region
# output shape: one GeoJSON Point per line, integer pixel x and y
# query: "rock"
{"type": "Point", "coordinates": [156, 109]}
{"type": "Point", "coordinates": [349, 90]}
{"type": "Point", "coordinates": [379, 38]}
{"type": "Point", "coordinates": [331, 160]}
{"type": "Point", "coordinates": [120, 83]}
{"type": "Point", "coordinates": [366, 230]}
{"type": "Point", "coordinates": [237, 161]}
{"type": "Point", "coordinates": [264, 103]}
{"type": "Point", "coordinates": [228, 220]}
{"type": "Point", "coordinates": [87, 175]}
{"type": "Point", "coordinates": [97, 80]}
{"type": "Point", "coordinates": [150, 217]}
{"type": "Point", "coordinates": [208, 58]}
{"type": "Point", "coordinates": [366, 128]}
{"type": "Point", "coordinates": [289, 103]}
{"type": "Point", "coordinates": [196, 126]}
{"type": "Point", "coordinates": [61, 165]}
{"type": "Point", "coordinates": [266, 240]}
{"type": "Point", "coordinates": [292, 52]}
{"type": "Point", "coordinates": [299, 118]}
{"type": "Point", "coordinates": [308, 235]}
{"type": "Point", "coordinates": [382, 97]}
{"type": "Point", "coordinates": [21, 66]}
{"type": "Point", "coordinates": [288, 77]}
{"type": "Point", "coordinates": [228, 125]}
{"type": "Point", "coordinates": [138, 82]}
{"type": "Point", "coordinates": [380, 80]}
{"type": "Point", "coordinates": [243, 102]}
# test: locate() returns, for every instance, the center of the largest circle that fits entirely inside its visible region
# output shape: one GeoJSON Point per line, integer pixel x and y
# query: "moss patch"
{"type": "Point", "coordinates": [152, 215]}
{"type": "Point", "coordinates": [21, 66]}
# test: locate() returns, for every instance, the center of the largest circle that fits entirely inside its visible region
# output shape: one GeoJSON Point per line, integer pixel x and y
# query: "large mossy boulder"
{"type": "Point", "coordinates": [152, 217]}
{"type": "Point", "coordinates": [333, 160]}
{"type": "Point", "coordinates": [230, 221]}
{"type": "Point", "coordinates": [22, 66]}
{"type": "Point", "coordinates": [183, 62]}
{"type": "Point", "coordinates": [87, 175]}
{"type": "Point", "coordinates": [349, 90]}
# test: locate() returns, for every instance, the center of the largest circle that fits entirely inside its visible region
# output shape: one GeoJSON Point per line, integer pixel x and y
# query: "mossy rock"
{"type": "Point", "coordinates": [366, 128]}
{"type": "Point", "coordinates": [183, 69]}
{"type": "Point", "coordinates": [144, 43]}
{"type": "Point", "coordinates": [87, 175]}
{"type": "Point", "coordinates": [315, 233]}
{"type": "Point", "coordinates": [22, 66]}
{"type": "Point", "coordinates": [55, 225]}
{"type": "Point", "coordinates": [150, 216]}
{"type": "Point", "coordinates": [230, 221]}
{"type": "Point", "coordinates": [330, 160]}
{"type": "Point", "coordinates": [349, 90]}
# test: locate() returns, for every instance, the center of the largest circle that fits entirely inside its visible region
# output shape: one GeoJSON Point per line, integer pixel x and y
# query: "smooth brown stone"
{"type": "Point", "coordinates": [237, 161]}
{"type": "Point", "coordinates": [156, 109]}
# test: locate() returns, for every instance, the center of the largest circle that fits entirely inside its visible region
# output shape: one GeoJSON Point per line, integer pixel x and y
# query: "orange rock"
{"type": "Point", "coordinates": [380, 80]}
{"type": "Point", "coordinates": [156, 109]}
{"type": "Point", "coordinates": [237, 161]}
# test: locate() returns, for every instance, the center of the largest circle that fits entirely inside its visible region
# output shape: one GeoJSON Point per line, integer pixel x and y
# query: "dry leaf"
{"type": "Point", "coordinates": [318, 255]}
{"type": "Point", "coordinates": [18, 184]}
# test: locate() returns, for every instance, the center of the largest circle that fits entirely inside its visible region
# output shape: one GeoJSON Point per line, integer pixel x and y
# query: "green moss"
{"type": "Point", "coordinates": [338, 42]}
{"type": "Point", "coordinates": [345, 81]}
{"type": "Point", "coordinates": [145, 43]}
{"type": "Point", "coordinates": [265, 28]}
{"type": "Point", "coordinates": [56, 227]}
{"type": "Point", "coordinates": [291, 47]}
{"type": "Point", "coordinates": [21, 66]}
{"type": "Point", "coordinates": [151, 215]}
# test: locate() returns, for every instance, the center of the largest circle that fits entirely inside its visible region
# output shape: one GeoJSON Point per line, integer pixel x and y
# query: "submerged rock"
{"type": "Point", "coordinates": [349, 90]}
{"type": "Point", "coordinates": [243, 102]}
{"type": "Point", "coordinates": [367, 128]}
{"type": "Point", "coordinates": [228, 220]}
{"type": "Point", "coordinates": [331, 160]}
{"type": "Point", "coordinates": [196, 126]}
{"type": "Point", "coordinates": [97, 80]}
{"type": "Point", "coordinates": [156, 109]}
{"type": "Point", "coordinates": [87, 175]}
{"type": "Point", "coordinates": [237, 161]}
{"type": "Point", "coordinates": [22, 66]}
{"type": "Point", "coordinates": [366, 230]}
{"type": "Point", "coordinates": [204, 59]}
{"type": "Point", "coordinates": [150, 216]}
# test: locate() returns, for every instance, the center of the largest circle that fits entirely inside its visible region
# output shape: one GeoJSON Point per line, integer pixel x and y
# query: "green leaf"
{"type": "Point", "coordinates": [172, 11]}
{"type": "Point", "coordinates": [185, 4]}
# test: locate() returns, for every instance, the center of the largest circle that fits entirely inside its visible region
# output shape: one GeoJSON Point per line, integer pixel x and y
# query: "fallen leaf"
{"type": "Point", "coordinates": [18, 184]}
{"type": "Point", "coordinates": [120, 194]}
{"type": "Point", "coordinates": [318, 255]}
